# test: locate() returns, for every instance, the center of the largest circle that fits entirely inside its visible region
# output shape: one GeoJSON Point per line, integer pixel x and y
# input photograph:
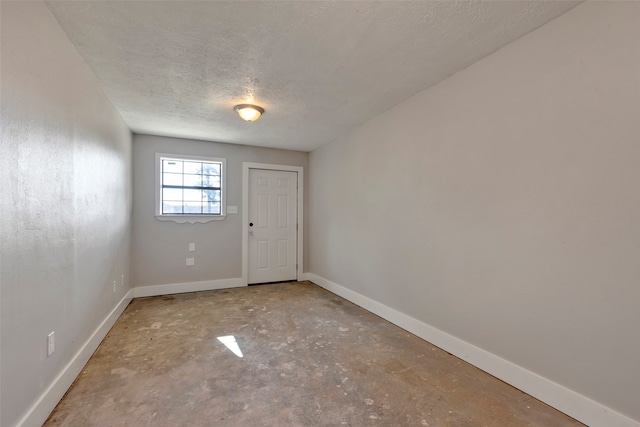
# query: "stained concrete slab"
{"type": "Point", "coordinates": [308, 358]}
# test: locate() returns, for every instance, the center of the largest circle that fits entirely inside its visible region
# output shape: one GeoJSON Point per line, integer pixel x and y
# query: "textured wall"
{"type": "Point", "coordinates": [65, 204]}
{"type": "Point", "coordinates": [160, 247]}
{"type": "Point", "coordinates": [502, 207]}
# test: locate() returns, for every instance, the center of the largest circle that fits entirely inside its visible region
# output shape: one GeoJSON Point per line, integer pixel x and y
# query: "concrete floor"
{"type": "Point", "coordinates": [310, 358]}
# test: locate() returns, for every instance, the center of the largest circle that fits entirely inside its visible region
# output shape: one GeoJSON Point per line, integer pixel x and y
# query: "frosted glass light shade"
{"type": "Point", "coordinates": [249, 112]}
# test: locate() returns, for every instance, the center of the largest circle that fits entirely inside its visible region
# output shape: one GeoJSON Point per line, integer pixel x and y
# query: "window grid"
{"type": "Point", "coordinates": [190, 187]}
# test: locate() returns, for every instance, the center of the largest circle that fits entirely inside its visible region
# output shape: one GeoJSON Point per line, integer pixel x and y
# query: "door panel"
{"type": "Point", "coordinates": [282, 211]}
{"type": "Point", "coordinates": [263, 211]}
{"type": "Point", "coordinates": [282, 253]}
{"type": "Point", "coordinates": [263, 254]}
{"type": "Point", "coordinates": [273, 233]}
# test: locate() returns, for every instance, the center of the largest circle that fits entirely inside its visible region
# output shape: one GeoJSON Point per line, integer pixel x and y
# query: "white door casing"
{"type": "Point", "coordinates": [272, 225]}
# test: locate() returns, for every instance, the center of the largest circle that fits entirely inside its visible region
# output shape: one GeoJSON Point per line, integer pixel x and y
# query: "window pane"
{"type": "Point", "coordinates": [174, 166]}
{"type": "Point", "coordinates": [172, 207]}
{"type": "Point", "coordinates": [183, 183]}
{"type": "Point", "coordinates": [192, 180]}
{"type": "Point", "coordinates": [211, 208]}
{"type": "Point", "coordinates": [171, 194]}
{"type": "Point", "coordinates": [193, 195]}
{"type": "Point", "coordinates": [194, 168]}
{"type": "Point", "coordinates": [172, 179]}
{"type": "Point", "coordinates": [210, 181]}
{"type": "Point", "coordinates": [192, 208]}
{"type": "Point", "coordinates": [211, 168]}
{"type": "Point", "coordinates": [211, 195]}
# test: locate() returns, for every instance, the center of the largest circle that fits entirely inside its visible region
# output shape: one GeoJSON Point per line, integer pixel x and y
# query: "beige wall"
{"type": "Point", "coordinates": [160, 247]}
{"type": "Point", "coordinates": [502, 206]}
{"type": "Point", "coordinates": [64, 208]}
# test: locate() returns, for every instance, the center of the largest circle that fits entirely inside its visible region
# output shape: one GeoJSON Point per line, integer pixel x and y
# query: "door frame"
{"type": "Point", "coordinates": [245, 214]}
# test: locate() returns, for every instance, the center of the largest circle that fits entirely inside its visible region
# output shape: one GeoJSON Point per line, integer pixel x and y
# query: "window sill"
{"type": "Point", "coordinates": [191, 219]}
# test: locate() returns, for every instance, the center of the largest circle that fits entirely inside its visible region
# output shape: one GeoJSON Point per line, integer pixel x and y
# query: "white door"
{"type": "Point", "coordinates": [272, 225]}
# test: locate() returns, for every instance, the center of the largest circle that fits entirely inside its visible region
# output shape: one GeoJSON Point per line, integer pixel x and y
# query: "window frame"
{"type": "Point", "coordinates": [190, 218]}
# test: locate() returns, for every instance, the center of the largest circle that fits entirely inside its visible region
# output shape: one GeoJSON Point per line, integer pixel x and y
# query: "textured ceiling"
{"type": "Point", "coordinates": [177, 68]}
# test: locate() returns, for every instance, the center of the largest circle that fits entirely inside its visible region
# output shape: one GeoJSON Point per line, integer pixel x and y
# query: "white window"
{"type": "Point", "coordinates": [190, 188]}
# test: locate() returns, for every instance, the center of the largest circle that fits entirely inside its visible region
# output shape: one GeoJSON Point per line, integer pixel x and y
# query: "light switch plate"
{"type": "Point", "coordinates": [232, 209]}
{"type": "Point", "coordinates": [51, 343]}
{"type": "Point", "coordinates": [192, 247]}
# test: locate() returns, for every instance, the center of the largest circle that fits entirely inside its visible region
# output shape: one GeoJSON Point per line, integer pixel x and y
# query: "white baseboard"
{"type": "Point", "coordinates": [178, 288]}
{"type": "Point", "coordinates": [581, 408]}
{"type": "Point", "coordinates": [48, 400]}
{"type": "Point", "coordinates": [306, 276]}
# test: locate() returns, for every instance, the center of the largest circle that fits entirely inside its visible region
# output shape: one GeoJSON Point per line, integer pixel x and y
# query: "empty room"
{"type": "Point", "coordinates": [320, 213]}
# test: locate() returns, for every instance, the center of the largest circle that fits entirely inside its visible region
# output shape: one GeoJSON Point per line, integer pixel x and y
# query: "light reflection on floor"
{"type": "Point", "coordinates": [230, 342]}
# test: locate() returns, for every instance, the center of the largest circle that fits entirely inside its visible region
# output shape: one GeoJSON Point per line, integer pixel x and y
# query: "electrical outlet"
{"type": "Point", "coordinates": [51, 343]}
{"type": "Point", "coordinates": [192, 247]}
{"type": "Point", "coordinates": [190, 261]}
{"type": "Point", "coordinates": [115, 286]}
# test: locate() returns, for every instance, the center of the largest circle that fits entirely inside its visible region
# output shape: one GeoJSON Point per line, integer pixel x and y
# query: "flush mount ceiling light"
{"type": "Point", "coordinates": [249, 112]}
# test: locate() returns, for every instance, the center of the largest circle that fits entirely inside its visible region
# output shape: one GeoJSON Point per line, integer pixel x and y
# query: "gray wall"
{"type": "Point", "coordinates": [65, 204]}
{"type": "Point", "coordinates": [502, 206]}
{"type": "Point", "coordinates": [160, 247]}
